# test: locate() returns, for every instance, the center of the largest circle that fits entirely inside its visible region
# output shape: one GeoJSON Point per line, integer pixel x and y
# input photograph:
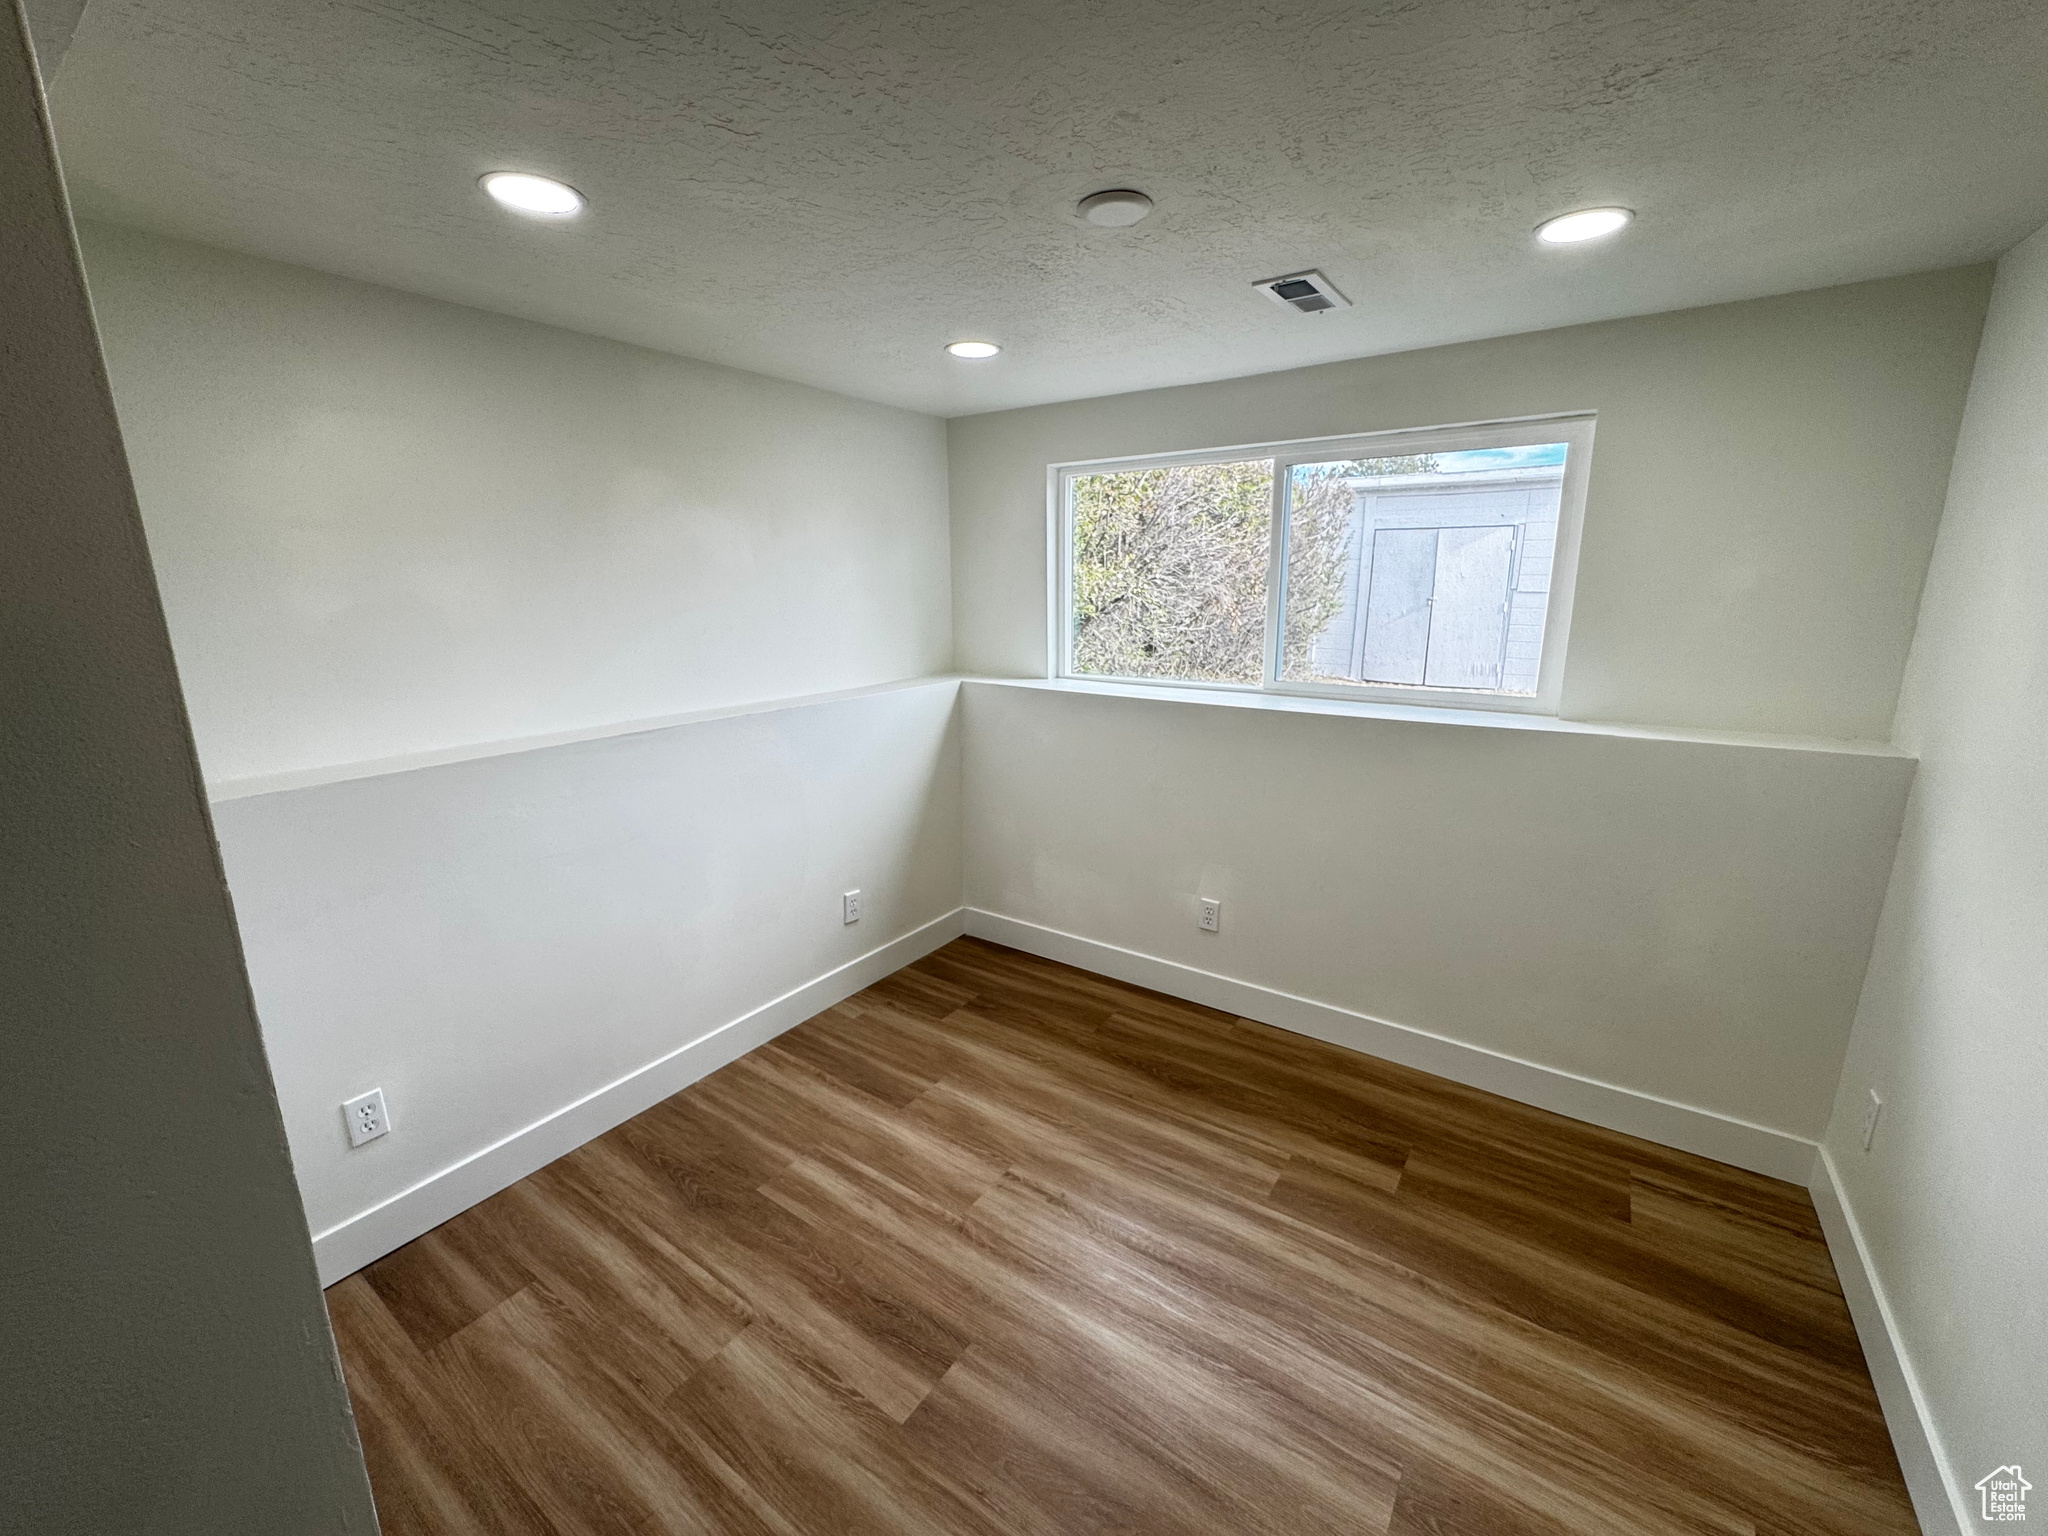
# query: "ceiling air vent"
{"type": "Point", "coordinates": [1309, 292]}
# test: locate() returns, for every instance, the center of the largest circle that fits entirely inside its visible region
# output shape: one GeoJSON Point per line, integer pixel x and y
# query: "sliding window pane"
{"type": "Point", "coordinates": [1169, 572]}
{"type": "Point", "coordinates": [1430, 570]}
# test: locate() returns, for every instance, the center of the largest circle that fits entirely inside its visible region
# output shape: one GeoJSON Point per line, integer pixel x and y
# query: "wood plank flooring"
{"type": "Point", "coordinates": [998, 1246]}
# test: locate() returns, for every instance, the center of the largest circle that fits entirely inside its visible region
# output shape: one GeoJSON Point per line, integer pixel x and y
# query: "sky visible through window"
{"type": "Point", "coordinates": [1533, 456]}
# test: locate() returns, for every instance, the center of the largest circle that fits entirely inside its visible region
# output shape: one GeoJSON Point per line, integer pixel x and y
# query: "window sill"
{"type": "Point", "coordinates": [1422, 714]}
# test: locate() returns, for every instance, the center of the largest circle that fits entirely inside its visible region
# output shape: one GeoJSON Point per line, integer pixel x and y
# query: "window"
{"type": "Point", "coordinates": [1428, 566]}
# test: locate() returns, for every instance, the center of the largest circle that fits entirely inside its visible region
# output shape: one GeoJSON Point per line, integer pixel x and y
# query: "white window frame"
{"type": "Point", "coordinates": [1575, 429]}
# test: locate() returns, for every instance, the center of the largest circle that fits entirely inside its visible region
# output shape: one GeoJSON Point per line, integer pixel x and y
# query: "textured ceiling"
{"type": "Point", "coordinates": [829, 191]}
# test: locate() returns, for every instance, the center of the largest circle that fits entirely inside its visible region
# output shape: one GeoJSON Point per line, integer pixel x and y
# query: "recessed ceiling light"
{"type": "Point", "coordinates": [1118, 208]}
{"type": "Point", "coordinates": [1586, 224]}
{"type": "Point", "coordinates": [973, 348]}
{"type": "Point", "coordinates": [539, 195]}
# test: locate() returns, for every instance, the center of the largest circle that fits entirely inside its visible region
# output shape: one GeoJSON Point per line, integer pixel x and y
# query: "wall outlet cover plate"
{"type": "Point", "coordinates": [366, 1117]}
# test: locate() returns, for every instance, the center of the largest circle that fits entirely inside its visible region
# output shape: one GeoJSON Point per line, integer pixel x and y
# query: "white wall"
{"type": "Point", "coordinates": [1953, 1028]}
{"type": "Point", "coordinates": [491, 941]}
{"type": "Point", "coordinates": [409, 550]}
{"type": "Point", "coordinates": [1765, 488]}
{"type": "Point", "coordinates": [385, 525]}
{"type": "Point", "coordinates": [165, 1364]}
{"type": "Point", "coordinates": [1681, 919]}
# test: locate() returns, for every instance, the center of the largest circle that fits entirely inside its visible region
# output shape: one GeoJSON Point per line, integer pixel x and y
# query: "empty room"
{"type": "Point", "coordinates": [803, 768]}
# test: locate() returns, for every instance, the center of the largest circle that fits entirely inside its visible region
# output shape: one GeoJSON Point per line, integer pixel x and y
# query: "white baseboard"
{"type": "Point", "coordinates": [1938, 1499]}
{"type": "Point", "coordinates": [349, 1245]}
{"type": "Point", "coordinates": [1777, 1154]}
{"type": "Point", "coordinates": [345, 1248]}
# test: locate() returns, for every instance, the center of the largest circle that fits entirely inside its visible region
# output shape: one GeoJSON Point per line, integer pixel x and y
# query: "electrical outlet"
{"type": "Point", "coordinates": [366, 1117]}
{"type": "Point", "coordinates": [849, 907]}
{"type": "Point", "coordinates": [1871, 1111]}
{"type": "Point", "coordinates": [1212, 915]}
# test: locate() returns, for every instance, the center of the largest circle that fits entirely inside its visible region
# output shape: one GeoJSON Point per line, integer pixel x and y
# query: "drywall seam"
{"type": "Point", "coordinates": [1938, 1499]}
{"type": "Point", "coordinates": [348, 1246]}
{"type": "Point", "coordinates": [1776, 1154]}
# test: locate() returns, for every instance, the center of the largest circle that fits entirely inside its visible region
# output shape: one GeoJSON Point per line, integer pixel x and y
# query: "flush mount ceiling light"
{"type": "Point", "coordinates": [1118, 208]}
{"type": "Point", "coordinates": [1586, 224]}
{"type": "Point", "coordinates": [540, 196]}
{"type": "Point", "coordinates": [973, 348]}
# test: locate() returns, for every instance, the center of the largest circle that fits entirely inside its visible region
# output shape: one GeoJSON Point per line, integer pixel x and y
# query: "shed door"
{"type": "Point", "coordinates": [1397, 605]}
{"type": "Point", "coordinates": [1468, 629]}
{"type": "Point", "coordinates": [1437, 606]}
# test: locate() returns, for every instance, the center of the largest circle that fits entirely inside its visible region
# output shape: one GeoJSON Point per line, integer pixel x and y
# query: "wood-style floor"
{"type": "Point", "coordinates": [1000, 1246]}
